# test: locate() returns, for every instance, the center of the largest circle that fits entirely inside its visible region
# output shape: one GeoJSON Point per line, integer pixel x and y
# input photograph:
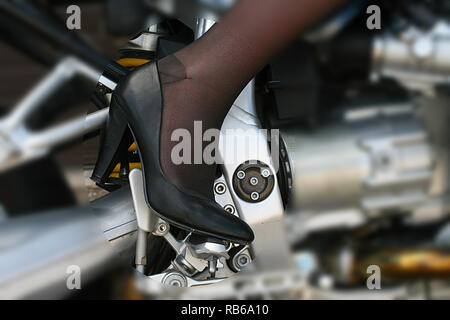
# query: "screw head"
{"type": "Point", "coordinates": [229, 208]}
{"type": "Point", "coordinates": [254, 196]}
{"type": "Point", "coordinates": [162, 227]}
{"type": "Point", "coordinates": [175, 283]}
{"type": "Point", "coordinates": [265, 173]}
{"type": "Point", "coordinates": [220, 188]}
{"type": "Point", "coordinates": [254, 181]}
{"type": "Point", "coordinates": [174, 279]}
{"type": "Point", "coordinates": [240, 174]}
{"type": "Point", "coordinates": [242, 260]}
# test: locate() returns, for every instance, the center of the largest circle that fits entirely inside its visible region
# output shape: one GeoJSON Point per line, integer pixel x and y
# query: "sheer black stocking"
{"type": "Point", "coordinates": [201, 81]}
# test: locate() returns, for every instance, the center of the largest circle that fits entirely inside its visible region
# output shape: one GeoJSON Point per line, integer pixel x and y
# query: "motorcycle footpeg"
{"type": "Point", "coordinates": [201, 249]}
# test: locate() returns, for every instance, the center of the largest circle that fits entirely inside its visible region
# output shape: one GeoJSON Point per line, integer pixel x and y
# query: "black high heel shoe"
{"type": "Point", "coordinates": [137, 98]}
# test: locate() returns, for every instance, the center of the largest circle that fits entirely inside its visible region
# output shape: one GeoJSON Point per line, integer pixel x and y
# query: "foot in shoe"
{"type": "Point", "coordinates": [171, 190]}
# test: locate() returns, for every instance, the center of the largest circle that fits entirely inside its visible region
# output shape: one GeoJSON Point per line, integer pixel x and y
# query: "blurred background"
{"type": "Point", "coordinates": [362, 108]}
{"type": "Point", "coordinates": [21, 70]}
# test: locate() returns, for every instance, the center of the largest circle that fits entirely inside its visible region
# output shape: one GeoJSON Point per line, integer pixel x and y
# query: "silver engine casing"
{"type": "Point", "coordinates": [375, 160]}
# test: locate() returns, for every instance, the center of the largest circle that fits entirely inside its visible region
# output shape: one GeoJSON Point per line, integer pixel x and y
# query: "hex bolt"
{"type": "Point", "coordinates": [254, 196]}
{"type": "Point", "coordinates": [220, 188]}
{"type": "Point", "coordinates": [254, 181]}
{"type": "Point", "coordinates": [240, 174]}
{"type": "Point", "coordinates": [242, 260]}
{"type": "Point", "coordinates": [265, 173]}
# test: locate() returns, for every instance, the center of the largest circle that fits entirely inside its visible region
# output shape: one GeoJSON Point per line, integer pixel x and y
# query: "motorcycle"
{"type": "Point", "coordinates": [343, 173]}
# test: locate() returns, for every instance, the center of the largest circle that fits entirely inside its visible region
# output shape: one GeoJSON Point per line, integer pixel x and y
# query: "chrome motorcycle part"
{"type": "Point", "coordinates": [207, 249]}
{"type": "Point", "coordinates": [19, 144]}
{"type": "Point", "coordinates": [230, 208]}
{"type": "Point", "coordinates": [417, 59]}
{"type": "Point", "coordinates": [151, 223]}
{"type": "Point", "coordinates": [147, 284]}
{"type": "Point", "coordinates": [254, 196]}
{"type": "Point", "coordinates": [174, 279]}
{"type": "Point", "coordinates": [250, 184]}
{"type": "Point", "coordinates": [95, 238]}
{"type": "Point", "coordinates": [107, 83]}
{"type": "Point", "coordinates": [202, 25]}
{"type": "Point", "coordinates": [224, 198]}
{"type": "Point", "coordinates": [194, 259]}
{"type": "Point", "coordinates": [263, 285]}
{"type": "Point", "coordinates": [191, 258]}
{"type": "Point", "coordinates": [162, 229]}
{"type": "Point", "coordinates": [199, 261]}
{"type": "Point", "coordinates": [181, 263]}
{"type": "Point", "coordinates": [147, 221]}
{"type": "Point", "coordinates": [141, 250]}
{"type": "Point", "coordinates": [243, 260]}
{"type": "Point", "coordinates": [239, 258]}
{"type": "Point", "coordinates": [147, 40]}
{"type": "Point", "coordinates": [299, 226]}
{"type": "Point", "coordinates": [143, 217]}
{"type": "Point", "coordinates": [265, 217]}
{"type": "Point", "coordinates": [378, 159]}
{"type": "Point", "coordinates": [220, 188]}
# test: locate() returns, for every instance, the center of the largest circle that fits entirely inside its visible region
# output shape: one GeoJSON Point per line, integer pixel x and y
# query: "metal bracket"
{"type": "Point", "coordinates": [190, 259]}
{"type": "Point", "coordinates": [147, 221]}
{"type": "Point", "coordinates": [19, 144]}
{"type": "Point", "coordinates": [176, 279]}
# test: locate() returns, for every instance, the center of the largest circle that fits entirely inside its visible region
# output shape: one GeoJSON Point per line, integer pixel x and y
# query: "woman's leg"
{"type": "Point", "coordinates": [201, 81]}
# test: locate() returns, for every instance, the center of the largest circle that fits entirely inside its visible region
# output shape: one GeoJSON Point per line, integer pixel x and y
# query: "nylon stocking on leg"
{"type": "Point", "coordinates": [201, 81]}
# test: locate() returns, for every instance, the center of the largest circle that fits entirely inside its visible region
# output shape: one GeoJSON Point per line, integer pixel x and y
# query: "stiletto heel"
{"type": "Point", "coordinates": [116, 140]}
